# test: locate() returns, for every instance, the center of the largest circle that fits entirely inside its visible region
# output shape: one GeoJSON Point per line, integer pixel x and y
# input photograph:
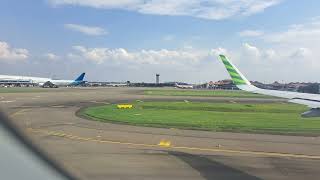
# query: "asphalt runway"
{"type": "Point", "coordinates": [93, 150]}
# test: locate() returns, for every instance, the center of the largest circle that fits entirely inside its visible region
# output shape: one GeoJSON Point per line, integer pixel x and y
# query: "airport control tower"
{"type": "Point", "coordinates": [157, 78]}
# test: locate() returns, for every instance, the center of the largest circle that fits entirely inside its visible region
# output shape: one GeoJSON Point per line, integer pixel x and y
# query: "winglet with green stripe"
{"type": "Point", "coordinates": [311, 100]}
{"type": "Point", "coordinates": [236, 76]}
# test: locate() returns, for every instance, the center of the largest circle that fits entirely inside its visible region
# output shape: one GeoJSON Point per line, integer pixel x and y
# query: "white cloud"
{"type": "Point", "coordinates": [298, 43]}
{"type": "Point", "coordinates": [275, 64]}
{"type": "Point", "coordinates": [207, 9]}
{"type": "Point", "coordinates": [8, 53]}
{"type": "Point", "coordinates": [187, 47]}
{"type": "Point", "coordinates": [250, 33]}
{"type": "Point", "coordinates": [51, 56]}
{"type": "Point", "coordinates": [259, 6]}
{"type": "Point", "coordinates": [305, 33]}
{"type": "Point", "coordinates": [301, 53]}
{"type": "Point", "coordinates": [98, 3]}
{"type": "Point", "coordinates": [88, 30]}
{"type": "Point", "coordinates": [151, 57]}
{"type": "Point", "coordinates": [251, 50]}
{"type": "Point", "coordinates": [270, 53]}
{"type": "Point", "coordinates": [264, 63]}
{"type": "Point", "coordinates": [218, 51]}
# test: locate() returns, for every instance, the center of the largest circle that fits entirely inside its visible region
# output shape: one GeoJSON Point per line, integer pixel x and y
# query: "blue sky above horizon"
{"type": "Point", "coordinates": [133, 39]}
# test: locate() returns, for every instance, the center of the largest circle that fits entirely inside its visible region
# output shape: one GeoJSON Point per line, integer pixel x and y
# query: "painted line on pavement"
{"type": "Point", "coordinates": [19, 112]}
{"type": "Point", "coordinates": [260, 153]}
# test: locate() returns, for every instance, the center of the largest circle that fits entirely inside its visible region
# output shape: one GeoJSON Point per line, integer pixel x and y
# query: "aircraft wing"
{"type": "Point", "coordinates": [310, 100]}
{"type": "Point", "coordinates": [21, 159]}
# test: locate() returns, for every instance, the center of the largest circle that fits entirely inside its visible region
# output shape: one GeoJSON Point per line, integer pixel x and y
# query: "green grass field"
{"type": "Point", "coordinates": [275, 118]}
{"type": "Point", "coordinates": [204, 93]}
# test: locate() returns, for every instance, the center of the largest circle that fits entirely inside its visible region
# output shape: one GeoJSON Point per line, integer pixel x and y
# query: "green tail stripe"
{"type": "Point", "coordinates": [229, 67]}
{"type": "Point", "coordinates": [226, 63]}
{"type": "Point", "coordinates": [238, 82]}
{"type": "Point", "coordinates": [236, 78]}
{"type": "Point", "coordinates": [233, 75]}
{"type": "Point", "coordinates": [223, 57]}
{"type": "Point", "coordinates": [232, 70]}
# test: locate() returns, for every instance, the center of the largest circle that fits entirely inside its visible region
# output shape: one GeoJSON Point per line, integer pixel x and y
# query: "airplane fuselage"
{"type": "Point", "coordinates": [184, 86]}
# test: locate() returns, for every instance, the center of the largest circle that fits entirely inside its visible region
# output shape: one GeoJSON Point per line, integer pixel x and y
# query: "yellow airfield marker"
{"type": "Point", "coordinates": [164, 143]}
{"type": "Point", "coordinates": [125, 106]}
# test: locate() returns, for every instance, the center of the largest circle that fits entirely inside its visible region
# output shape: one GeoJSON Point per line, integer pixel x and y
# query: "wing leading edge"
{"type": "Point", "coordinates": [311, 100]}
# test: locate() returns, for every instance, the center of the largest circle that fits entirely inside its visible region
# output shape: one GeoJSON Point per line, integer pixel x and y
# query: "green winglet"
{"type": "Point", "coordinates": [233, 71]}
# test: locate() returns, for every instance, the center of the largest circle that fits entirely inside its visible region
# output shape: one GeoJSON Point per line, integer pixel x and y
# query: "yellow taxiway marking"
{"type": "Point", "coordinates": [58, 106]}
{"type": "Point", "coordinates": [18, 112]}
{"type": "Point", "coordinates": [167, 144]}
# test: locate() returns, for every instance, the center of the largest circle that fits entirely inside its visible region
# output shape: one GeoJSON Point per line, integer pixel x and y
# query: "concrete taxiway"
{"type": "Point", "coordinates": [93, 150]}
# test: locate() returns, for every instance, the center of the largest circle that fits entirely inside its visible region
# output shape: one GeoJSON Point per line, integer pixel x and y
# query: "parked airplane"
{"type": "Point", "coordinates": [184, 86]}
{"type": "Point", "coordinates": [311, 100]}
{"type": "Point", "coordinates": [41, 81]}
{"type": "Point", "coordinates": [117, 84]}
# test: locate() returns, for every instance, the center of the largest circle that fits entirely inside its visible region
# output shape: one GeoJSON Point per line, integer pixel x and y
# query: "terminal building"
{"type": "Point", "coordinates": [226, 84]}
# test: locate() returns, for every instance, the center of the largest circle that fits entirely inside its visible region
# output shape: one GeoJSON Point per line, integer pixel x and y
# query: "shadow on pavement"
{"type": "Point", "coordinates": [210, 169]}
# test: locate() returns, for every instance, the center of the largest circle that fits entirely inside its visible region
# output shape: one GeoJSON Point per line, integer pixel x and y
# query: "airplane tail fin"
{"type": "Point", "coordinates": [81, 77]}
{"type": "Point", "coordinates": [237, 77]}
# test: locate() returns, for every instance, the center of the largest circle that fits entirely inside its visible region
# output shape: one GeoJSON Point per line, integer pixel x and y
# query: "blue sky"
{"type": "Point", "coordinates": [133, 39]}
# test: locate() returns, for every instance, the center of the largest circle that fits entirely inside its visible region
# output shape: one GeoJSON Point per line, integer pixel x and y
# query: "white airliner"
{"type": "Point", "coordinates": [41, 81]}
{"type": "Point", "coordinates": [183, 86]}
{"type": "Point", "coordinates": [117, 84]}
{"type": "Point", "coordinates": [310, 100]}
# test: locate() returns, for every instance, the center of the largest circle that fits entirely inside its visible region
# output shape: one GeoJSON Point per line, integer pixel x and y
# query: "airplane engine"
{"type": "Point", "coordinates": [314, 112]}
{"type": "Point", "coordinates": [48, 84]}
